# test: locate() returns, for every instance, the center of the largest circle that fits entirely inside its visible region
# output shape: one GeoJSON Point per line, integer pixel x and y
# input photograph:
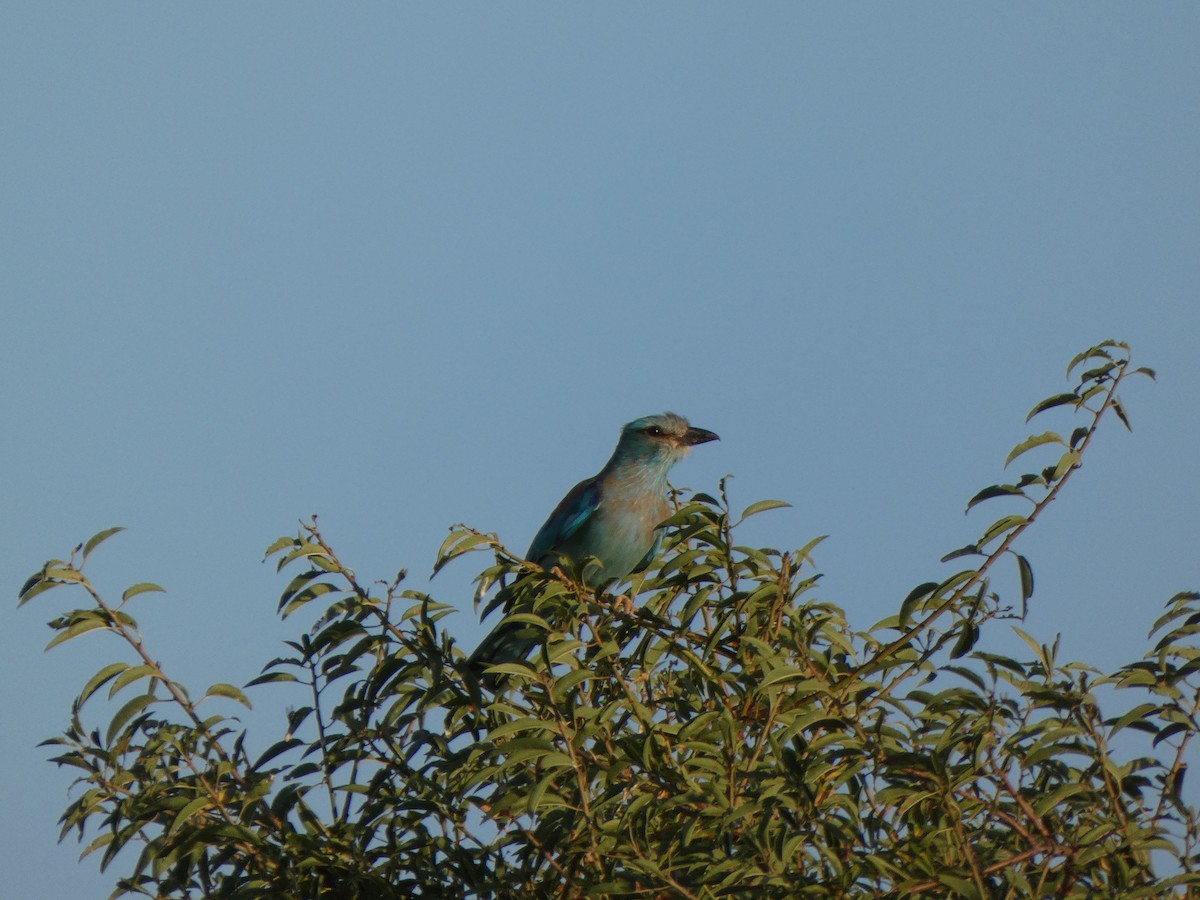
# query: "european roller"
{"type": "Point", "coordinates": [611, 518]}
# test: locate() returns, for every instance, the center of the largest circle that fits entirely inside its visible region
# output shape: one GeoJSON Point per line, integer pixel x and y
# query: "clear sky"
{"type": "Point", "coordinates": [410, 265]}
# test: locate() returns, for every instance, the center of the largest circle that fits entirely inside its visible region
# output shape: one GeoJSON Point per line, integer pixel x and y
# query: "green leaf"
{"type": "Point", "coordinates": [271, 678]}
{"type": "Point", "coordinates": [127, 712]}
{"type": "Point", "coordinates": [1174, 787]}
{"type": "Point", "coordinates": [1051, 402]}
{"type": "Point", "coordinates": [515, 726]}
{"type": "Point", "coordinates": [804, 554]}
{"type": "Point", "coordinates": [458, 543]}
{"type": "Point", "coordinates": [762, 506]}
{"type": "Point", "coordinates": [562, 687]}
{"type": "Point", "coordinates": [102, 841]}
{"type": "Point", "coordinates": [791, 673]}
{"type": "Point", "coordinates": [1048, 802]}
{"type": "Point", "coordinates": [1119, 409]}
{"type": "Point", "coordinates": [538, 794]}
{"type": "Point", "coordinates": [527, 619]}
{"type": "Point", "coordinates": [83, 621]}
{"type": "Point", "coordinates": [1002, 526]}
{"type": "Point", "coordinates": [280, 544]}
{"type": "Point", "coordinates": [920, 592]}
{"type": "Point", "coordinates": [1034, 440]}
{"type": "Point", "coordinates": [1137, 715]}
{"type": "Point", "coordinates": [1026, 572]}
{"type": "Point", "coordinates": [275, 750]}
{"type": "Point", "coordinates": [302, 598]}
{"type": "Point", "coordinates": [1171, 730]}
{"type": "Point", "coordinates": [36, 585]}
{"type": "Point", "coordinates": [143, 587]}
{"type": "Point", "coordinates": [510, 669]}
{"type": "Point", "coordinates": [129, 676]}
{"type": "Point", "coordinates": [1066, 463]}
{"type": "Point", "coordinates": [221, 689]}
{"type": "Point", "coordinates": [995, 490]}
{"type": "Point", "coordinates": [32, 581]}
{"type": "Point", "coordinates": [1028, 639]}
{"type": "Point", "coordinates": [1100, 375]}
{"type": "Point", "coordinates": [966, 640]}
{"type": "Point", "coordinates": [100, 678]}
{"type": "Point", "coordinates": [1091, 353]}
{"type": "Point", "coordinates": [188, 811]}
{"type": "Point", "coordinates": [969, 550]}
{"type": "Point", "coordinates": [314, 552]}
{"type": "Point", "coordinates": [99, 538]}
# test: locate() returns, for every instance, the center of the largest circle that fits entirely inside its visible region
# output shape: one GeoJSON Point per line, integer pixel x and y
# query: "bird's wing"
{"type": "Point", "coordinates": [570, 514]}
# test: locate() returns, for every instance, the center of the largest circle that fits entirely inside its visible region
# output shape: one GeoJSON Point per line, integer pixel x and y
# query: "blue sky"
{"type": "Point", "coordinates": [406, 266]}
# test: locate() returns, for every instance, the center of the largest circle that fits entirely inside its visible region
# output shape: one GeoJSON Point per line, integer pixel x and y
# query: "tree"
{"type": "Point", "coordinates": [732, 735]}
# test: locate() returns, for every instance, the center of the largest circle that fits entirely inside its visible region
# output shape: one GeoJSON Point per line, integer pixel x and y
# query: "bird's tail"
{"type": "Point", "coordinates": [508, 642]}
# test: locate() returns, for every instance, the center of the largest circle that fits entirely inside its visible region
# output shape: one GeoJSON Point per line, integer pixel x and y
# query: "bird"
{"type": "Point", "coordinates": [611, 518]}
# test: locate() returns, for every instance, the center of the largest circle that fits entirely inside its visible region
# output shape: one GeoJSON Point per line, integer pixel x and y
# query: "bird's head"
{"type": "Point", "coordinates": [665, 437]}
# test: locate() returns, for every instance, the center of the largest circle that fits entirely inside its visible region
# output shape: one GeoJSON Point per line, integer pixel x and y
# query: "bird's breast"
{"type": "Point", "coordinates": [623, 533]}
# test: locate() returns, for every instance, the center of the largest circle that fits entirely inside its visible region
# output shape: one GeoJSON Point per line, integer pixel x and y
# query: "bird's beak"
{"type": "Point", "coordinates": [698, 436]}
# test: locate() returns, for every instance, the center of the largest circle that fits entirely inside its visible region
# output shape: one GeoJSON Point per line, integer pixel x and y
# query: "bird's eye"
{"type": "Point", "coordinates": [654, 431]}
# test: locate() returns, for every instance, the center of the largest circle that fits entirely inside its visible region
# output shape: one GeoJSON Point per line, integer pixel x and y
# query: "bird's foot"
{"type": "Point", "coordinates": [623, 605]}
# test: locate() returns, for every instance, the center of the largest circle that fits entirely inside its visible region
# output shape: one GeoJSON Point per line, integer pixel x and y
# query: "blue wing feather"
{"type": "Point", "coordinates": [572, 511]}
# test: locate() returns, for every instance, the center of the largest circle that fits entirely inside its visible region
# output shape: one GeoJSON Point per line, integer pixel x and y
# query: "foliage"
{"type": "Point", "coordinates": [729, 734]}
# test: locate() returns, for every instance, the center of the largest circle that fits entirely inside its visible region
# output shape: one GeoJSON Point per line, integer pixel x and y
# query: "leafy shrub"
{"type": "Point", "coordinates": [728, 734]}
